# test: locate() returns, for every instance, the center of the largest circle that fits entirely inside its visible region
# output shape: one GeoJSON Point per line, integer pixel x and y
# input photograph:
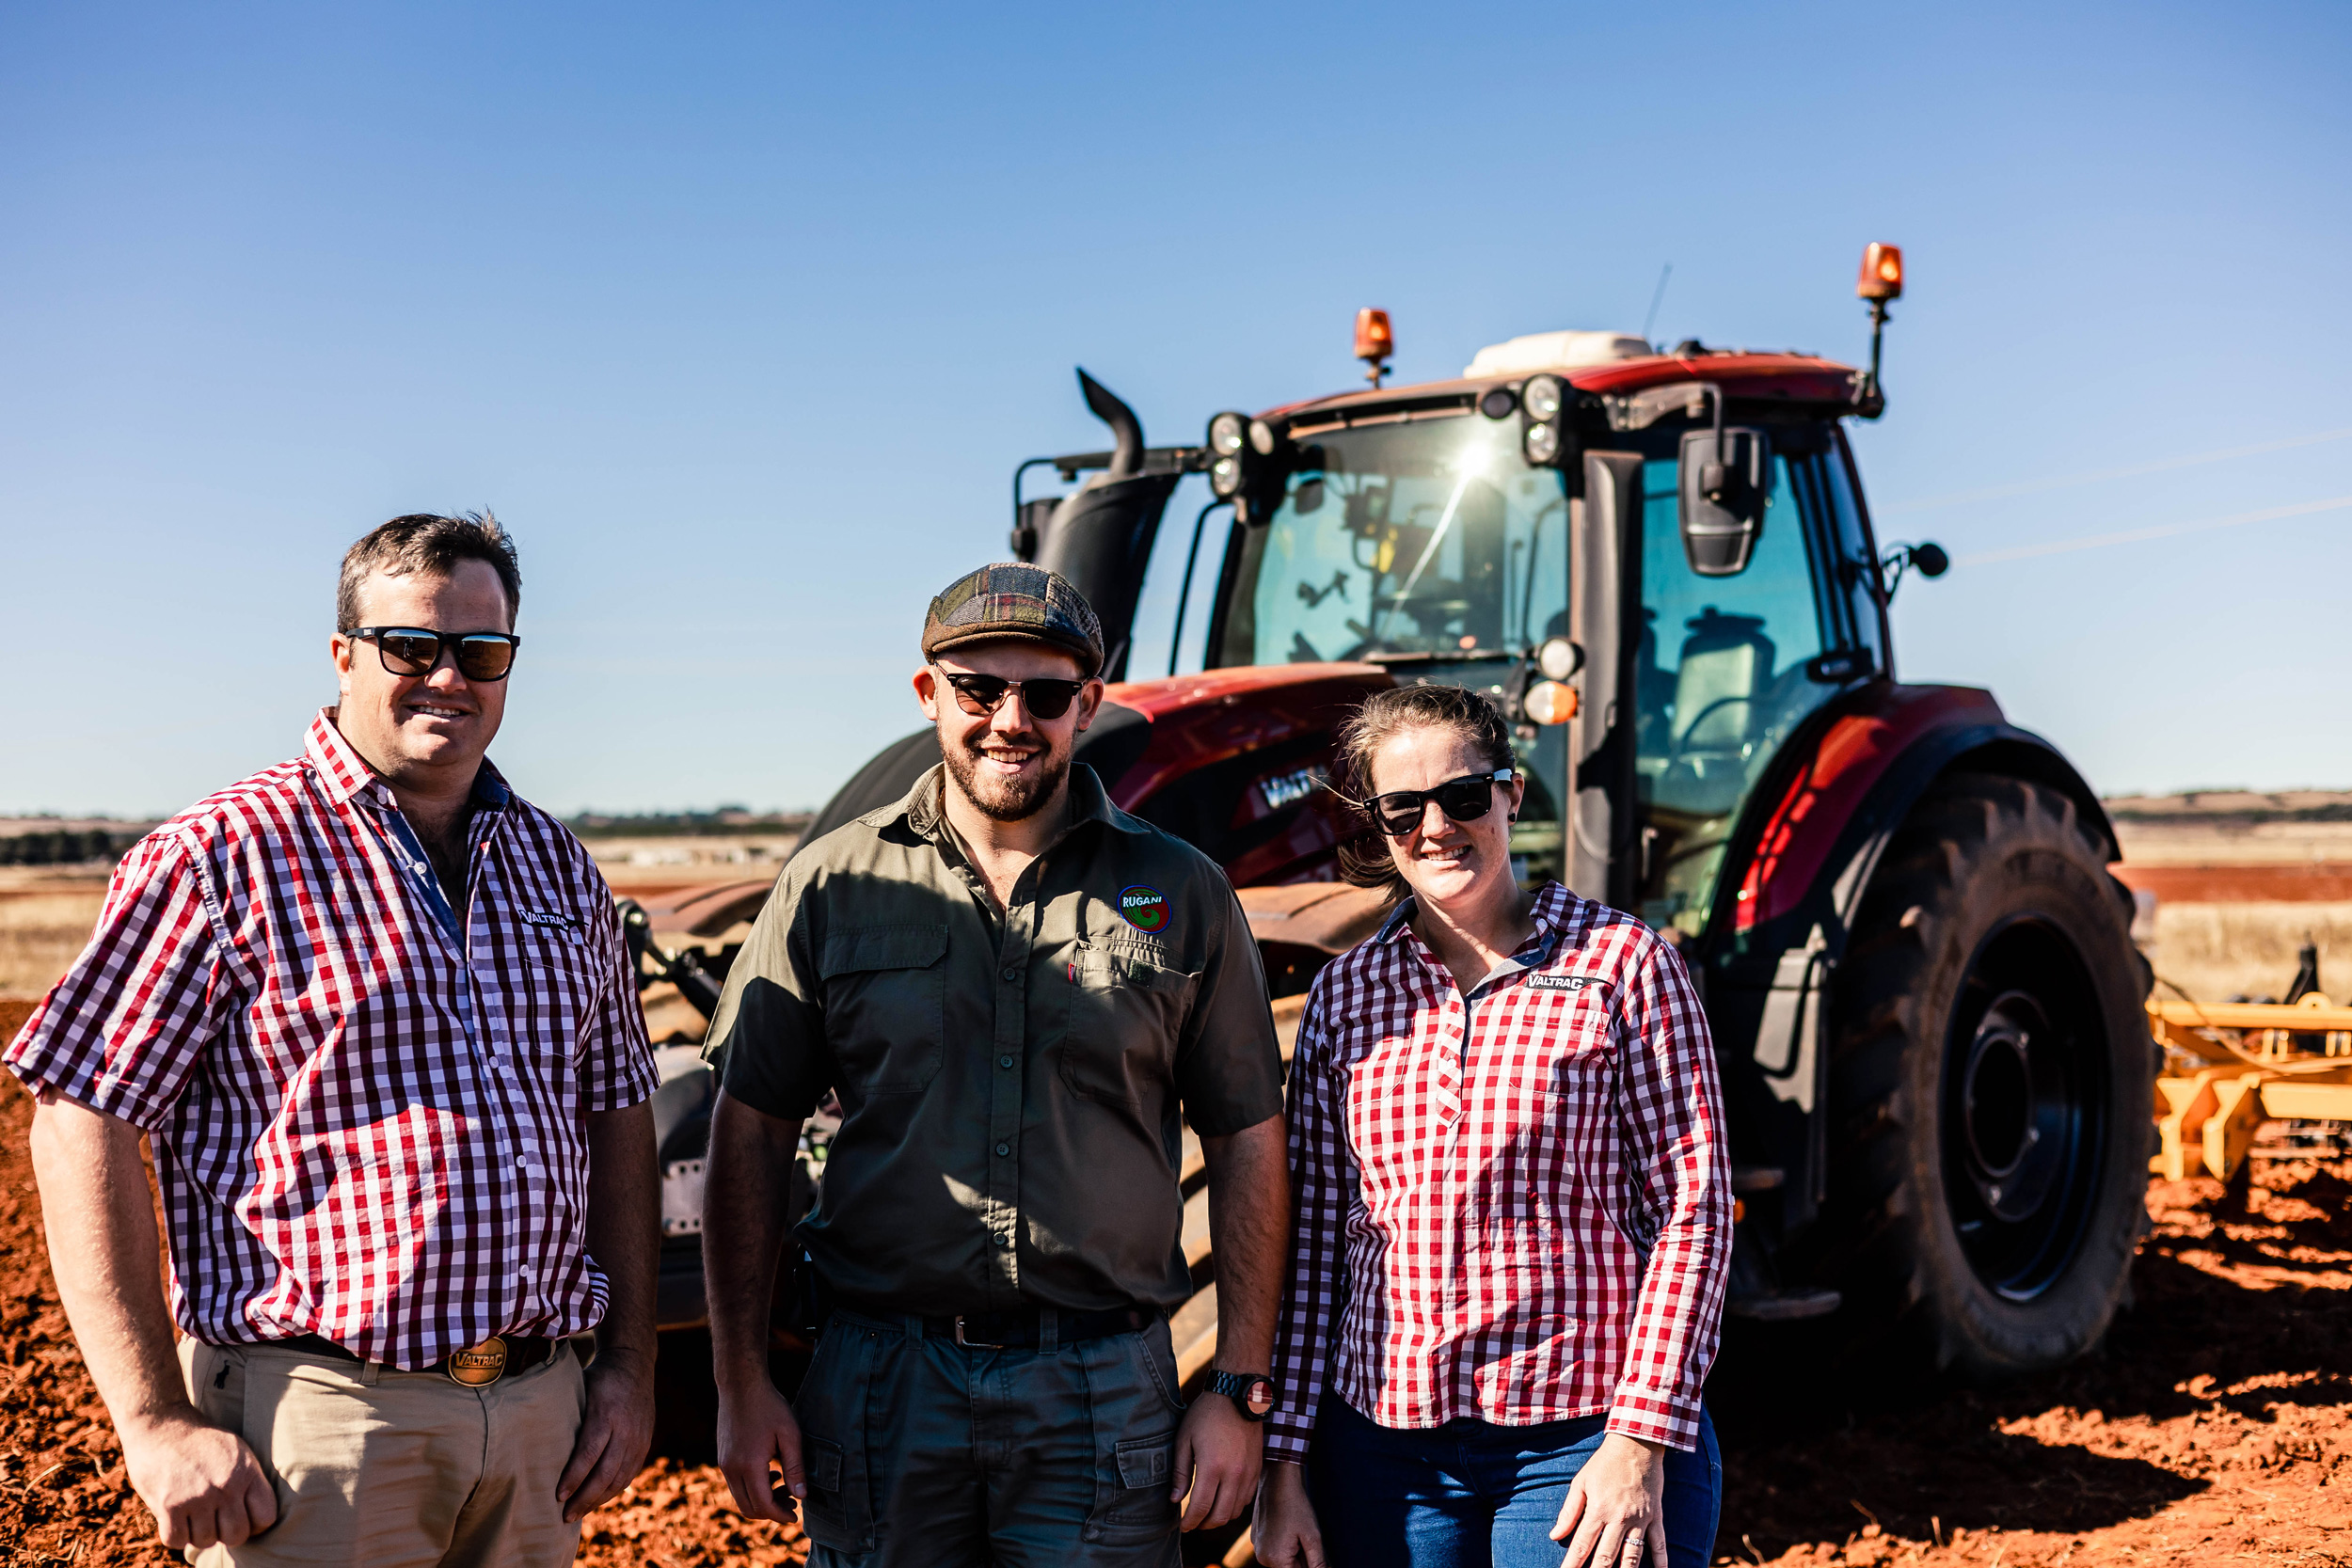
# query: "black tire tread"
{"type": "Point", "coordinates": [1876, 1226]}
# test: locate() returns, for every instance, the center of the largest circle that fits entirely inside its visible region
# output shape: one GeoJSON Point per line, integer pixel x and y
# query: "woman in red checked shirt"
{"type": "Point", "coordinates": [1514, 1205]}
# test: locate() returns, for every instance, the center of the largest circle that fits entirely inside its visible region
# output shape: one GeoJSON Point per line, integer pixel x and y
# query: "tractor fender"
{"type": "Point", "coordinates": [1814, 836]}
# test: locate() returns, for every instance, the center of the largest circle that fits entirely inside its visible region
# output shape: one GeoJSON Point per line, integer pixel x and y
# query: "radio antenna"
{"type": "Point", "coordinates": [1655, 299]}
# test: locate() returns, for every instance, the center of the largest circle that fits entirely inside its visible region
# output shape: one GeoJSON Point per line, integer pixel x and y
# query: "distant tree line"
{"type": "Point", "coordinates": [725, 822]}
{"type": "Point", "coordinates": [69, 846]}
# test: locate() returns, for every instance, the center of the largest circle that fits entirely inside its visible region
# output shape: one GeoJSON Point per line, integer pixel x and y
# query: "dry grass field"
{"type": "Point", "coordinates": [46, 913]}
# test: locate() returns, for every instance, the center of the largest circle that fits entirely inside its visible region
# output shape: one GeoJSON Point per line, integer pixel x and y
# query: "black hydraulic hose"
{"type": "Point", "coordinates": [1184, 595]}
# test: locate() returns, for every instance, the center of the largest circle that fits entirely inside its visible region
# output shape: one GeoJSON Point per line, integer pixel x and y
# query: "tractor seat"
{"type": "Point", "coordinates": [1721, 690]}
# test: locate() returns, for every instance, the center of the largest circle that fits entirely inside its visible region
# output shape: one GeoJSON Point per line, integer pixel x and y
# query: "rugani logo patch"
{"type": "Point", "coordinates": [1561, 982]}
{"type": "Point", "coordinates": [1144, 908]}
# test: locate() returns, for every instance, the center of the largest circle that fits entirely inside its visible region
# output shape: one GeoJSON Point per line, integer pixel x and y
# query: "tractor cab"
{"type": "Point", "coordinates": [1474, 531]}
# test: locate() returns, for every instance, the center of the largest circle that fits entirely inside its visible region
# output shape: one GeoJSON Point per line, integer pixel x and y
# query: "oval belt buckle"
{"type": "Point", "coordinates": [477, 1365]}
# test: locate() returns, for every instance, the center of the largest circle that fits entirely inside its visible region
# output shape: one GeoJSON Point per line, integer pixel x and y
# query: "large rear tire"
{"type": "Point", "coordinates": [1990, 1088]}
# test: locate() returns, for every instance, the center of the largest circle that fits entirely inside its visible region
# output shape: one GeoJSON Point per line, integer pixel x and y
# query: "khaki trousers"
{"type": "Point", "coordinates": [394, 1469]}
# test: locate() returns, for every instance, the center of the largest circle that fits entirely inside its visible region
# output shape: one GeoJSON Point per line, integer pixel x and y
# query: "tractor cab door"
{"type": "Point", "coordinates": [1724, 668]}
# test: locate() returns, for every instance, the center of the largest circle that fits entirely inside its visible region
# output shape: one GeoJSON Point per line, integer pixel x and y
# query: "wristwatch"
{"type": "Point", "coordinates": [1252, 1393]}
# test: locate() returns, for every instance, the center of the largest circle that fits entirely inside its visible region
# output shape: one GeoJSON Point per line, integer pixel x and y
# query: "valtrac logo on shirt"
{"type": "Point", "coordinates": [1563, 982]}
{"type": "Point", "coordinates": [1144, 908]}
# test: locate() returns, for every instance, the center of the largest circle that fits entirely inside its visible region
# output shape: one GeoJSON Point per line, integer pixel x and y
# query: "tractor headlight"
{"type": "Point", "coordinates": [1225, 478]}
{"type": "Point", "coordinates": [1226, 434]}
{"type": "Point", "coordinates": [1261, 438]}
{"type": "Point", "coordinates": [1546, 437]}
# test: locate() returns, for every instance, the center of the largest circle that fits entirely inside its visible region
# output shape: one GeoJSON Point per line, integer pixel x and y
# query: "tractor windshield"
{"type": "Point", "coordinates": [1429, 545]}
{"type": "Point", "coordinates": [1431, 537]}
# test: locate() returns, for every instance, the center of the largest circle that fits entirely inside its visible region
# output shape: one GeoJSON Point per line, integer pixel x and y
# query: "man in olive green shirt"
{"type": "Point", "coordinates": [1013, 986]}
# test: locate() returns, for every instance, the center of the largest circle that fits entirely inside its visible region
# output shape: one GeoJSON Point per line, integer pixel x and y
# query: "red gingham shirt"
{"type": "Point", "coordinates": [366, 1117]}
{"type": "Point", "coordinates": [1516, 1209]}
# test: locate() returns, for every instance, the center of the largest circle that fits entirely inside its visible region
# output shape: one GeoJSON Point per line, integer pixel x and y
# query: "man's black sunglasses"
{"type": "Point", "coordinates": [1465, 800]}
{"type": "Point", "coordinates": [979, 694]}
{"type": "Point", "coordinates": [480, 656]}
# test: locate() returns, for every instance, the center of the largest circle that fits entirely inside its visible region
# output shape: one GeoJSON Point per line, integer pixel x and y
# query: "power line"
{"type": "Point", "coordinates": [2032, 487]}
{"type": "Point", "coordinates": [2167, 530]}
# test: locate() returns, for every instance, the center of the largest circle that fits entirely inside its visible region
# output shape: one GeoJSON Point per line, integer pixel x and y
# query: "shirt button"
{"type": "Point", "coordinates": [1004, 1241]}
{"type": "Point", "coordinates": [1004, 1061]}
{"type": "Point", "coordinates": [1004, 1148]}
{"type": "Point", "coordinates": [1011, 974]}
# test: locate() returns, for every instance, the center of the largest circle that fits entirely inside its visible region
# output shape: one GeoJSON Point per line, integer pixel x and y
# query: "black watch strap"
{"type": "Point", "coordinates": [1252, 1393]}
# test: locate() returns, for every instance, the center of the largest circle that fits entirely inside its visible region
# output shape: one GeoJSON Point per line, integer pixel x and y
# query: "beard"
{"type": "Point", "coordinates": [1003, 799]}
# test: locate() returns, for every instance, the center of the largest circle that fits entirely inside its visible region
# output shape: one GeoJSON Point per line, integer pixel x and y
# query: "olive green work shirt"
{"type": "Point", "coordinates": [1010, 1083]}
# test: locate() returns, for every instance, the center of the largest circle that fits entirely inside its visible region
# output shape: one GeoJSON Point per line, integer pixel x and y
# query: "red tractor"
{"type": "Point", "coordinates": [1924, 994]}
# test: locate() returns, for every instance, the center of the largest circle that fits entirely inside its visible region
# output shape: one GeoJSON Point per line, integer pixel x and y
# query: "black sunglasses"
{"type": "Point", "coordinates": [480, 656]}
{"type": "Point", "coordinates": [1465, 800]}
{"type": "Point", "coordinates": [979, 694]}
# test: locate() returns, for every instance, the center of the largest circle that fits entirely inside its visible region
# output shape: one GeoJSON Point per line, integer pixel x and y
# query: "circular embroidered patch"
{"type": "Point", "coordinates": [1144, 908]}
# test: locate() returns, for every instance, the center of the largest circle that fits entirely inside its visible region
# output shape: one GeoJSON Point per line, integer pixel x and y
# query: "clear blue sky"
{"type": "Point", "coordinates": [741, 315]}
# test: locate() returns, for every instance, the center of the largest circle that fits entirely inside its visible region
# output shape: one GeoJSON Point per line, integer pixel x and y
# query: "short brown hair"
{"type": "Point", "coordinates": [424, 541]}
{"type": "Point", "coordinates": [1364, 860]}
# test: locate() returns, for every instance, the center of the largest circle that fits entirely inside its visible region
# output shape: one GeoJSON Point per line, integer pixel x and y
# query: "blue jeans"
{"type": "Point", "coordinates": [1468, 1495]}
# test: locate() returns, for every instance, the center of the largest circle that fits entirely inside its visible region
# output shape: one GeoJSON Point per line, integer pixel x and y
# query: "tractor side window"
{"type": "Point", "coordinates": [1720, 680]}
{"type": "Point", "coordinates": [1859, 556]}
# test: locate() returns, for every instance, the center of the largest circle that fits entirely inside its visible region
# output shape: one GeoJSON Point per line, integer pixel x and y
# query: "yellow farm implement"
{"type": "Point", "coordinates": [2230, 1067]}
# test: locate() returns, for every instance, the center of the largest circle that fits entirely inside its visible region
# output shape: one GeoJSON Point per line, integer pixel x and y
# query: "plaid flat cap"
{"type": "Point", "coordinates": [1011, 599]}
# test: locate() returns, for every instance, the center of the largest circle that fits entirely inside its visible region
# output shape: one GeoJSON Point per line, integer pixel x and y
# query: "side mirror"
{"type": "Point", "coordinates": [1927, 557]}
{"type": "Point", "coordinates": [1725, 479]}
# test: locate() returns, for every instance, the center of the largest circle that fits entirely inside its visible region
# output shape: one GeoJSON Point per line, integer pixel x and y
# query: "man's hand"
{"type": "Point", "coordinates": [203, 1485]}
{"type": "Point", "coordinates": [1285, 1533]}
{"type": "Point", "coordinates": [615, 1435]}
{"type": "Point", "coordinates": [756, 1427]}
{"type": "Point", "coordinates": [1619, 1499]}
{"type": "Point", "coordinates": [1217, 1455]}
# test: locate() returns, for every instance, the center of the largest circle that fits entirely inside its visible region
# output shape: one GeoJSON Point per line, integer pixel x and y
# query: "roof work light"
{"type": "Point", "coordinates": [1547, 438]}
{"type": "Point", "coordinates": [1246, 464]}
{"type": "Point", "coordinates": [1376, 344]}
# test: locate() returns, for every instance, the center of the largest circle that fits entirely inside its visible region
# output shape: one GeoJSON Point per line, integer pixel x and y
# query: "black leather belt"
{"type": "Point", "coordinates": [1017, 1330]}
{"type": "Point", "coordinates": [500, 1356]}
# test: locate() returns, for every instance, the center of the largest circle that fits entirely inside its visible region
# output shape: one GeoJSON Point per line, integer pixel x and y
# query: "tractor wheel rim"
{"type": "Point", "coordinates": [2025, 1106]}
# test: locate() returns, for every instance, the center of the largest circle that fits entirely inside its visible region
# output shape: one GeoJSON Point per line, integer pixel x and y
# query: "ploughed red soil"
{"type": "Point", "coordinates": [2292, 882]}
{"type": "Point", "coordinates": [2213, 1428]}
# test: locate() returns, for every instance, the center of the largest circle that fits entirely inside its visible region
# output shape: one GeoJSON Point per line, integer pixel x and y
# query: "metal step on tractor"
{"type": "Point", "coordinates": [1919, 974]}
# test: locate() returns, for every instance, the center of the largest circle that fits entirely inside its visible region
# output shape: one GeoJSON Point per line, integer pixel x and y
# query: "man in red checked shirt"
{"type": "Point", "coordinates": [373, 1014]}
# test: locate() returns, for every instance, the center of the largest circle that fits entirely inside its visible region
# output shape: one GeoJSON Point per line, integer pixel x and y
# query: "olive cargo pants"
{"type": "Point", "coordinates": [923, 1454]}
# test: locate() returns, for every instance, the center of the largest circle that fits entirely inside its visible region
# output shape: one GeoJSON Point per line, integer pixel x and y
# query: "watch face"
{"type": "Point", "coordinates": [1259, 1401]}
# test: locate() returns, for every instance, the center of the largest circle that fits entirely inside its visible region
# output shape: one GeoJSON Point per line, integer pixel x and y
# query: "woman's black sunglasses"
{"type": "Point", "coordinates": [480, 656]}
{"type": "Point", "coordinates": [1465, 800]}
{"type": "Point", "coordinates": [979, 694]}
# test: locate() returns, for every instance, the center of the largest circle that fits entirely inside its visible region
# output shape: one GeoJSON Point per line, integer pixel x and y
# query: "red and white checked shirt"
{"type": "Point", "coordinates": [1516, 1209]}
{"type": "Point", "coordinates": [366, 1117]}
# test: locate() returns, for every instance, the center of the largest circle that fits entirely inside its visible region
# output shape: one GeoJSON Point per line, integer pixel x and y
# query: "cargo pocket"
{"type": "Point", "coordinates": [831, 1408]}
{"type": "Point", "coordinates": [885, 989]}
{"type": "Point", "coordinates": [1135, 1440]}
{"type": "Point", "coordinates": [1126, 1012]}
{"type": "Point", "coordinates": [1132, 1507]}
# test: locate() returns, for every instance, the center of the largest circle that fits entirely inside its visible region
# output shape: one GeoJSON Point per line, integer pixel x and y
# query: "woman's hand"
{"type": "Point", "coordinates": [1285, 1533]}
{"type": "Point", "coordinates": [1617, 1501]}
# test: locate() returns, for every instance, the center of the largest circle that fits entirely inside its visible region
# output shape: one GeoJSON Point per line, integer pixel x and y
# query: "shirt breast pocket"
{"type": "Point", "coordinates": [1127, 1006]}
{"type": "Point", "coordinates": [885, 989]}
{"type": "Point", "coordinates": [562, 983]}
